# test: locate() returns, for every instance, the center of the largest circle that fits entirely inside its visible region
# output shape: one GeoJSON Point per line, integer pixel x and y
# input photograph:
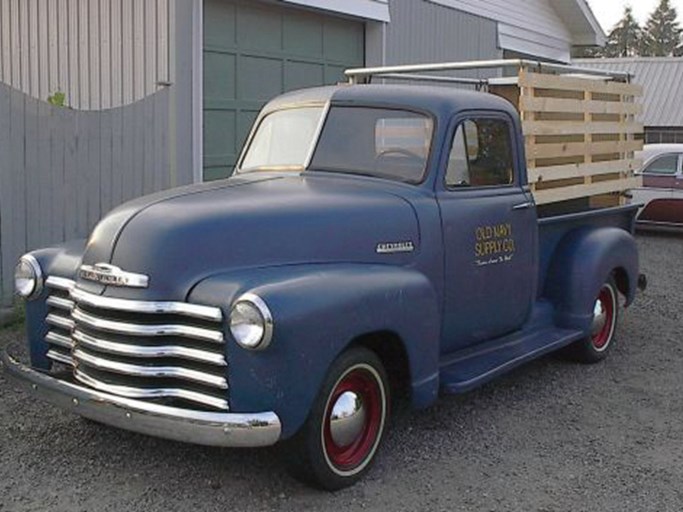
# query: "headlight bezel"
{"type": "Point", "coordinates": [38, 277]}
{"type": "Point", "coordinates": [259, 306]}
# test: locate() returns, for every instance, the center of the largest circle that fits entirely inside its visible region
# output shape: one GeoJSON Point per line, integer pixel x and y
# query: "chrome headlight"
{"type": "Point", "coordinates": [28, 277]}
{"type": "Point", "coordinates": [251, 322]}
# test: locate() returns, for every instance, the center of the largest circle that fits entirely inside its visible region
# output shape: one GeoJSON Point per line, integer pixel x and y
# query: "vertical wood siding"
{"type": "Point", "coordinates": [101, 53]}
{"type": "Point", "coordinates": [62, 169]}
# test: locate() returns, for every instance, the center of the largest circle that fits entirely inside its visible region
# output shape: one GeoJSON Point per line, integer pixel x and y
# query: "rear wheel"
{"type": "Point", "coordinates": [340, 439]}
{"type": "Point", "coordinates": [595, 347]}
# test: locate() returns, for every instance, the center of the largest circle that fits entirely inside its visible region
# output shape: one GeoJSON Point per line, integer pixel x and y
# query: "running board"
{"type": "Point", "coordinates": [462, 373]}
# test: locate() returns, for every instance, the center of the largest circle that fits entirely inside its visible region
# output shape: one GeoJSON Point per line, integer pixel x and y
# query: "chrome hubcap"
{"type": "Point", "coordinates": [599, 317]}
{"type": "Point", "coordinates": [347, 418]}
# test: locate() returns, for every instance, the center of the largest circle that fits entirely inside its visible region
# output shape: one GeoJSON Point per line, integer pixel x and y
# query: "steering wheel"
{"type": "Point", "coordinates": [398, 151]}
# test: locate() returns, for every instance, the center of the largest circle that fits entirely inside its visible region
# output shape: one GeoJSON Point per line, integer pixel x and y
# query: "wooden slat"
{"type": "Point", "coordinates": [535, 104]}
{"type": "Point", "coordinates": [57, 171]}
{"type": "Point", "coordinates": [105, 51]}
{"type": "Point", "coordinates": [564, 149]}
{"type": "Point", "coordinates": [568, 83]}
{"type": "Point", "coordinates": [83, 18]}
{"type": "Point", "coordinates": [148, 148]}
{"type": "Point", "coordinates": [554, 195]}
{"type": "Point", "coordinates": [128, 190]}
{"type": "Point", "coordinates": [562, 172]}
{"type": "Point", "coordinates": [81, 174]}
{"type": "Point", "coordinates": [93, 176]}
{"type": "Point", "coordinates": [106, 170]}
{"type": "Point", "coordinates": [44, 171]}
{"type": "Point", "coordinates": [573, 127]}
{"type": "Point", "coordinates": [6, 198]}
{"type": "Point", "coordinates": [117, 156]}
{"type": "Point", "coordinates": [161, 117]}
{"type": "Point", "coordinates": [138, 132]}
{"type": "Point", "coordinates": [34, 178]}
{"type": "Point", "coordinates": [69, 127]}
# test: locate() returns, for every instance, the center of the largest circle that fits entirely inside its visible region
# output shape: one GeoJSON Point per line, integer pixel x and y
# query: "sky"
{"type": "Point", "coordinates": [609, 12]}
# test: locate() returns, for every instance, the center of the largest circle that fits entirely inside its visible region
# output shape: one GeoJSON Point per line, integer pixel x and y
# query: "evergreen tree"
{"type": "Point", "coordinates": [625, 38]}
{"type": "Point", "coordinates": [662, 33]}
{"type": "Point", "coordinates": [587, 52]}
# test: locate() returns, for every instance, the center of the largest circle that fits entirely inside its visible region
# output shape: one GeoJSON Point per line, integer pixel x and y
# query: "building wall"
{"type": "Point", "coordinates": [422, 31]}
{"type": "Point", "coordinates": [663, 134]}
{"type": "Point", "coordinates": [530, 27]}
{"type": "Point", "coordinates": [100, 53]}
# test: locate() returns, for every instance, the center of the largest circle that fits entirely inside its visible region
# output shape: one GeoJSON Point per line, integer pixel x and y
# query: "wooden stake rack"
{"type": "Point", "coordinates": [580, 125]}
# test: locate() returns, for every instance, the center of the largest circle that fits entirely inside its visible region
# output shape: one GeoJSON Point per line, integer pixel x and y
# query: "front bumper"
{"type": "Point", "coordinates": [198, 427]}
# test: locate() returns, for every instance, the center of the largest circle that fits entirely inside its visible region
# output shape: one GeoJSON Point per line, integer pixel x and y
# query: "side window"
{"type": "Point", "coordinates": [481, 155]}
{"type": "Point", "coordinates": [664, 165]}
{"type": "Point", "coordinates": [458, 173]}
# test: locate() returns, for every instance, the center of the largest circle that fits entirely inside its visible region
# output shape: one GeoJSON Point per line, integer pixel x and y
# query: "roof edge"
{"type": "Point", "coordinates": [591, 33]}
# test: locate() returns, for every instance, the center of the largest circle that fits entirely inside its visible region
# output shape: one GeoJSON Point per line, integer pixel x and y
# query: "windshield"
{"type": "Point", "coordinates": [283, 140]}
{"type": "Point", "coordinates": [379, 142]}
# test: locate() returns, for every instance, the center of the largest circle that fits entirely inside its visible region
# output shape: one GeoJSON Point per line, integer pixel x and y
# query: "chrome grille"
{"type": "Point", "coordinates": [145, 350]}
{"type": "Point", "coordinates": [59, 320]}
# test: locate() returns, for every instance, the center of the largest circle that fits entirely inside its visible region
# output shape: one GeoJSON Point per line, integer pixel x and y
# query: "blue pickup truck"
{"type": "Point", "coordinates": [374, 241]}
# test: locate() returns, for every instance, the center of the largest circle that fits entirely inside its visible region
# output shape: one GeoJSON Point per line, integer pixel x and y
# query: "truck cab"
{"type": "Point", "coordinates": [374, 239]}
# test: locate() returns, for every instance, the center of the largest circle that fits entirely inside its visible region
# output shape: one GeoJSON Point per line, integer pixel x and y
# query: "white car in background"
{"type": "Point", "coordinates": [662, 190]}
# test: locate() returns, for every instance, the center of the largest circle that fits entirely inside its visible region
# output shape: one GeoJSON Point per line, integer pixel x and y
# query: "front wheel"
{"type": "Point", "coordinates": [344, 430]}
{"type": "Point", "coordinates": [595, 347]}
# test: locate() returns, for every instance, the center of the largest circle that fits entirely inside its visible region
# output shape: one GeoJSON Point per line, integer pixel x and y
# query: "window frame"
{"type": "Point", "coordinates": [325, 106]}
{"type": "Point", "coordinates": [459, 121]}
{"type": "Point", "coordinates": [678, 171]}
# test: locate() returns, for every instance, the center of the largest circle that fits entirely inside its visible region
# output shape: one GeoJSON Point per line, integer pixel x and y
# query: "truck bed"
{"type": "Point", "coordinates": [552, 228]}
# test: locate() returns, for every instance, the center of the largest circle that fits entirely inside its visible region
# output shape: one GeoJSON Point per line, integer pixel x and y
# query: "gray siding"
{"type": "Point", "coordinates": [62, 169]}
{"type": "Point", "coordinates": [422, 31]}
{"type": "Point", "coordinates": [100, 53]}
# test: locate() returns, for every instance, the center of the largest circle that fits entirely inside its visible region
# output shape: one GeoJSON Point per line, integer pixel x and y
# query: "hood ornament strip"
{"type": "Point", "coordinates": [110, 275]}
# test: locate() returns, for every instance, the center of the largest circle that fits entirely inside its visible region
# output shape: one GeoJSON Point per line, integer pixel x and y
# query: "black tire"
{"type": "Point", "coordinates": [594, 348]}
{"type": "Point", "coordinates": [315, 454]}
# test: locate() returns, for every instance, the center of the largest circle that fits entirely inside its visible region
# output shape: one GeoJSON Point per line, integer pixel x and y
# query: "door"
{"type": "Point", "coordinates": [662, 191]}
{"type": "Point", "coordinates": [489, 233]}
{"type": "Point", "coordinates": [254, 51]}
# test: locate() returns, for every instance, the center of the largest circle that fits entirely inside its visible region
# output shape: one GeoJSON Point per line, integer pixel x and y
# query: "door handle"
{"type": "Point", "coordinates": [523, 206]}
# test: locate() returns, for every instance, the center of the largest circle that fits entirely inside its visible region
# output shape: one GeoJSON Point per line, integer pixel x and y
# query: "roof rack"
{"type": "Point", "coordinates": [410, 71]}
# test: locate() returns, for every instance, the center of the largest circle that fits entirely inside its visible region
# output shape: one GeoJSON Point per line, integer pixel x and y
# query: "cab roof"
{"type": "Point", "coordinates": [439, 101]}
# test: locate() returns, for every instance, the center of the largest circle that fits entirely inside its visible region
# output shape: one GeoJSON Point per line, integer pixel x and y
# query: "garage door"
{"type": "Point", "coordinates": [254, 52]}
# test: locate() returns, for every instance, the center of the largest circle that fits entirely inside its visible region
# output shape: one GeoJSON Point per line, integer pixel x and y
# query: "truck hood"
{"type": "Point", "coordinates": [180, 237]}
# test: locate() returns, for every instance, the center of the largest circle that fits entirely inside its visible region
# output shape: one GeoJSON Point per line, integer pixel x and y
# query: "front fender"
{"type": "Point", "coordinates": [318, 310]}
{"type": "Point", "coordinates": [63, 261]}
{"type": "Point", "coordinates": [582, 262]}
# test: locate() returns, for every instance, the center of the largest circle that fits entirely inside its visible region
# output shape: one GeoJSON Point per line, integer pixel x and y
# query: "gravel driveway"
{"type": "Point", "coordinates": [551, 436]}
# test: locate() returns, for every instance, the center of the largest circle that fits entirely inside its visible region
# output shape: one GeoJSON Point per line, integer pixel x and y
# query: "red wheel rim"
{"type": "Point", "coordinates": [606, 300]}
{"type": "Point", "coordinates": [366, 385]}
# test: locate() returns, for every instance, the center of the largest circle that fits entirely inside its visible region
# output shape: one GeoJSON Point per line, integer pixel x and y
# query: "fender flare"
{"type": "Point", "coordinates": [318, 310]}
{"type": "Point", "coordinates": [581, 263]}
